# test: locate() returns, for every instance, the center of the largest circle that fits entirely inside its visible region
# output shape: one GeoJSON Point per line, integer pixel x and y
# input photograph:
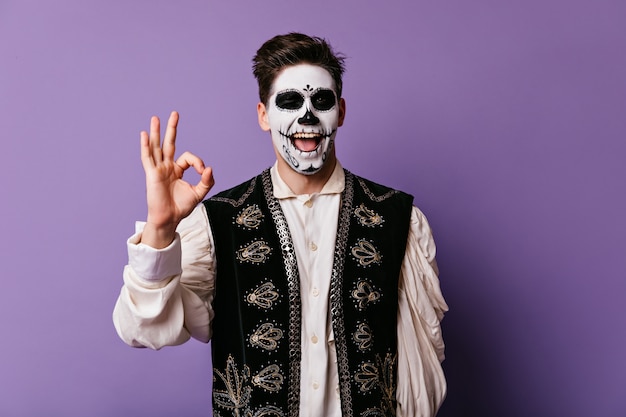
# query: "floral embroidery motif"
{"type": "Point", "coordinates": [266, 336]}
{"type": "Point", "coordinates": [363, 337]}
{"type": "Point", "coordinates": [255, 253]}
{"type": "Point", "coordinates": [250, 217]}
{"type": "Point", "coordinates": [388, 383]}
{"type": "Point", "coordinates": [365, 253]}
{"type": "Point", "coordinates": [263, 296]}
{"type": "Point", "coordinates": [365, 294]}
{"type": "Point", "coordinates": [368, 217]}
{"type": "Point", "coordinates": [269, 378]}
{"type": "Point", "coordinates": [367, 377]}
{"type": "Point", "coordinates": [238, 392]}
{"type": "Point", "coordinates": [379, 376]}
{"type": "Point", "coordinates": [236, 396]}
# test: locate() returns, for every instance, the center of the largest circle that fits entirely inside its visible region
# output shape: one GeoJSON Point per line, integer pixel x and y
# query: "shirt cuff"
{"type": "Point", "coordinates": [153, 265]}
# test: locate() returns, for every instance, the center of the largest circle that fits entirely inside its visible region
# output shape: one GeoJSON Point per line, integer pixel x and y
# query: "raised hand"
{"type": "Point", "coordinates": [170, 198]}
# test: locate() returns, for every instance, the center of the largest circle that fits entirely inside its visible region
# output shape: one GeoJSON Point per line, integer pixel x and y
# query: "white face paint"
{"type": "Point", "coordinates": [303, 115]}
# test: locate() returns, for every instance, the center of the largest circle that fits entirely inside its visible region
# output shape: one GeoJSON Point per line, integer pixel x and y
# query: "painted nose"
{"type": "Point", "coordinates": [308, 119]}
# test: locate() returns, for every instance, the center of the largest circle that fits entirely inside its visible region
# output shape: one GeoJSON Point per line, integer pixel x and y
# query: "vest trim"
{"type": "Point", "coordinates": [293, 283]}
{"type": "Point", "coordinates": [336, 296]}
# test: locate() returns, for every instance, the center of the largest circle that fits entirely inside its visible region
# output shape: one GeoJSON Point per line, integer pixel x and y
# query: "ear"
{"type": "Point", "coordinates": [342, 111]}
{"type": "Point", "coordinates": [262, 113]}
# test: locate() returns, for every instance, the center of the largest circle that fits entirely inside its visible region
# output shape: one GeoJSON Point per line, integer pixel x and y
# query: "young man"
{"type": "Point", "coordinates": [318, 288]}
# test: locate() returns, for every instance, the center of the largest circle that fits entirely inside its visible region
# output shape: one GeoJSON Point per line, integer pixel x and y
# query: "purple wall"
{"type": "Point", "coordinates": [505, 120]}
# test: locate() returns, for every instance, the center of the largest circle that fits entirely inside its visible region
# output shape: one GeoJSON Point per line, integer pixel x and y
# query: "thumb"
{"type": "Point", "coordinates": [206, 183]}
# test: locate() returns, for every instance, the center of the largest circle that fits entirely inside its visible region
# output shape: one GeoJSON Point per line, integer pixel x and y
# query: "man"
{"type": "Point", "coordinates": [318, 288]}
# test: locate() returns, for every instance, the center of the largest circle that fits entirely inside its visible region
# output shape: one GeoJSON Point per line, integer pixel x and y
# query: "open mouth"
{"type": "Point", "coordinates": [305, 141]}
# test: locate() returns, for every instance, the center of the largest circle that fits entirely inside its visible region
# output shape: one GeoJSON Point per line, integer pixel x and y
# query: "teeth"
{"type": "Point", "coordinates": [306, 135]}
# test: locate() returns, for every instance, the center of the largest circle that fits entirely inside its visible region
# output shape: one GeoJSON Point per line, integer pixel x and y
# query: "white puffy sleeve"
{"type": "Point", "coordinates": [167, 293]}
{"type": "Point", "coordinates": [421, 306]}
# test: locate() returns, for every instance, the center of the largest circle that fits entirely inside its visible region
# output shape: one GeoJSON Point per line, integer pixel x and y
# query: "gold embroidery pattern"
{"type": "Point", "coordinates": [250, 217]}
{"type": "Point", "coordinates": [238, 392]}
{"type": "Point", "coordinates": [367, 377]}
{"type": "Point", "coordinates": [236, 396]}
{"type": "Point", "coordinates": [365, 253]}
{"type": "Point", "coordinates": [269, 378]}
{"type": "Point", "coordinates": [388, 383]}
{"type": "Point", "coordinates": [372, 196]}
{"type": "Point", "coordinates": [266, 337]}
{"type": "Point", "coordinates": [255, 253]}
{"type": "Point", "coordinates": [368, 217]}
{"type": "Point", "coordinates": [379, 376]}
{"type": "Point", "coordinates": [263, 296]}
{"type": "Point", "coordinates": [241, 200]}
{"type": "Point", "coordinates": [363, 337]}
{"type": "Point", "coordinates": [365, 293]}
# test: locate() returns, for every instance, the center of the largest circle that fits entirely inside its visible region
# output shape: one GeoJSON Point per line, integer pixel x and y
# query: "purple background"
{"type": "Point", "coordinates": [505, 119]}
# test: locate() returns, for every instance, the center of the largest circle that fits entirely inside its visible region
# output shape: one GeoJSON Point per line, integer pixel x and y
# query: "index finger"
{"type": "Point", "coordinates": [169, 141]}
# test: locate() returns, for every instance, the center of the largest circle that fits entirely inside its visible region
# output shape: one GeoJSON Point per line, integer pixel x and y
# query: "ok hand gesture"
{"type": "Point", "coordinates": [170, 198]}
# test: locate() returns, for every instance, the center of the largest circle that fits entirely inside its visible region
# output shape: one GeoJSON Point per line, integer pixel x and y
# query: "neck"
{"type": "Point", "coordinates": [305, 184]}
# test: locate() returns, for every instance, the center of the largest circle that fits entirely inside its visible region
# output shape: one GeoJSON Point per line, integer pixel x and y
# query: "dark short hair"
{"type": "Point", "coordinates": [291, 49]}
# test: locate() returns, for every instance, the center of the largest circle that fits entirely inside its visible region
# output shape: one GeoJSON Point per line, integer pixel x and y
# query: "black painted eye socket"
{"type": "Point", "coordinates": [323, 100]}
{"type": "Point", "coordinates": [289, 100]}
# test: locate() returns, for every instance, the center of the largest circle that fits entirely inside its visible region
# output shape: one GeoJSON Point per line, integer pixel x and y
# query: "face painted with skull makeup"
{"type": "Point", "coordinates": [303, 114]}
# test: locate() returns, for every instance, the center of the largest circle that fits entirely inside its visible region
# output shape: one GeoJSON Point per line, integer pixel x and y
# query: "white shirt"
{"type": "Point", "coordinates": [167, 295]}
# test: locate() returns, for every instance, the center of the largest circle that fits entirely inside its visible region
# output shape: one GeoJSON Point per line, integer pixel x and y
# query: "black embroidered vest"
{"type": "Point", "coordinates": [256, 329]}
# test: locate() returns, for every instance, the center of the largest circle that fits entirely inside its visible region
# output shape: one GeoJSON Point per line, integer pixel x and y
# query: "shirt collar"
{"type": "Point", "coordinates": [335, 184]}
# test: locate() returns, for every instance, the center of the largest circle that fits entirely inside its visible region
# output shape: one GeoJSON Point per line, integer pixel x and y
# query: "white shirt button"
{"type": "Point", "coordinates": [314, 339]}
{"type": "Point", "coordinates": [316, 385]}
{"type": "Point", "coordinates": [315, 292]}
{"type": "Point", "coordinates": [313, 246]}
{"type": "Point", "coordinates": [308, 203]}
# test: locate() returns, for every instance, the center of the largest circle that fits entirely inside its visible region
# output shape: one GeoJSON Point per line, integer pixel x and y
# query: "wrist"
{"type": "Point", "coordinates": [158, 236]}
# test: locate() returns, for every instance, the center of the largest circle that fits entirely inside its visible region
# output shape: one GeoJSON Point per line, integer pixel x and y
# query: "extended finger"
{"type": "Point", "coordinates": [169, 142]}
{"type": "Point", "coordinates": [146, 155]}
{"type": "Point", "coordinates": [155, 139]}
